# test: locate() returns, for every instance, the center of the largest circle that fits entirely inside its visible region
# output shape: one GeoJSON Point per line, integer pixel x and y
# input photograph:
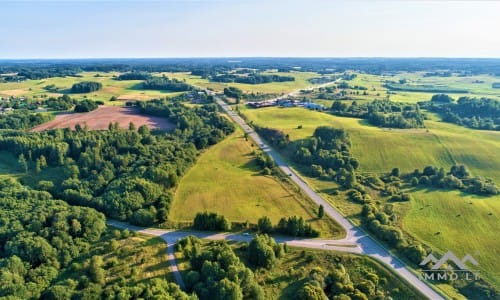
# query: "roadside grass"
{"type": "Point", "coordinates": [139, 257]}
{"type": "Point", "coordinates": [288, 274]}
{"type": "Point", "coordinates": [132, 257]}
{"type": "Point", "coordinates": [227, 180]}
{"type": "Point", "coordinates": [449, 220]}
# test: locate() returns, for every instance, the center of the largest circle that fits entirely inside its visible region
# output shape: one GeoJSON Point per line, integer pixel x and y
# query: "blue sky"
{"type": "Point", "coordinates": [236, 28]}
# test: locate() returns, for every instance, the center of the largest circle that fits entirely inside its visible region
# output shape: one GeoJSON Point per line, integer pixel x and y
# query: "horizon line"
{"type": "Point", "coordinates": [241, 57]}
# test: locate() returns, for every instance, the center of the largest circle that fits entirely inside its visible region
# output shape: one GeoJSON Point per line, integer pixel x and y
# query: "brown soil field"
{"type": "Point", "coordinates": [100, 118]}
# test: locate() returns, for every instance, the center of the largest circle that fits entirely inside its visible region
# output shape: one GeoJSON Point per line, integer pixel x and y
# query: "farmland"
{"type": "Point", "coordinates": [103, 116]}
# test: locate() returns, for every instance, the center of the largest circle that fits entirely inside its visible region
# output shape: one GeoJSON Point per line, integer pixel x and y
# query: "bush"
{"type": "Point", "coordinates": [210, 221]}
{"type": "Point", "coordinates": [86, 106]}
{"type": "Point", "coordinates": [86, 87]}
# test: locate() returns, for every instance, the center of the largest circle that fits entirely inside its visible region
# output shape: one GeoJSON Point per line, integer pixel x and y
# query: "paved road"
{"type": "Point", "coordinates": [354, 234]}
{"type": "Point", "coordinates": [172, 236]}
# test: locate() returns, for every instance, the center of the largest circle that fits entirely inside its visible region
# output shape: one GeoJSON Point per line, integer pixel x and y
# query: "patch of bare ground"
{"type": "Point", "coordinates": [100, 118]}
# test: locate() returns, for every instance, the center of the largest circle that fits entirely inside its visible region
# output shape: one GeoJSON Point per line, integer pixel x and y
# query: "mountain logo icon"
{"type": "Point", "coordinates": [449, 257]}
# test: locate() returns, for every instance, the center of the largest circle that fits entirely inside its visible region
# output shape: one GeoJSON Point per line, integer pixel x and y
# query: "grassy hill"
{"type": "Point", "coordinates": [440, 144]}
{"type": "Point", "coordinates": [227, 180]}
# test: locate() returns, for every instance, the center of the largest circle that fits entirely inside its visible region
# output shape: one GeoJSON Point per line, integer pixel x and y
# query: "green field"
{"type": "Point", "coordinates": [379, 150]}
{"type": "Point", "coordinates": [441, 144]}
{"type": "Point", "coordinates": [226, 180]}
{"type": "Point", "coordinates": [124, 90]}
{"type": "Point", "coordinates": [466, 224]}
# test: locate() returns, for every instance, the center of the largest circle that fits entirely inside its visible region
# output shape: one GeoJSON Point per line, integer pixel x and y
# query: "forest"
{"type": "Point", "coordinates": [127, 174]}
{"type": "Point", "coordinates": [251, 78]}
{"type": "Point", "coordinates": [166, 84]}
{"type": "Point", "coordinates": [23, 119]}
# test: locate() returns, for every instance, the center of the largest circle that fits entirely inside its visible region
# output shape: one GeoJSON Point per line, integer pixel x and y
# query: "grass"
{"type": "Point", "coordinates": [227, 180]}
{"type": "Point", "coordinates": [378, 150]}
{"type": "Point", "coordinates": [466, 224]}
{"type": "Point", "coordinates": [133, 258]}
{"type": "Point", "coordinates": [441, 144]}
{"type": "Point", "coordinates": [139, 257]}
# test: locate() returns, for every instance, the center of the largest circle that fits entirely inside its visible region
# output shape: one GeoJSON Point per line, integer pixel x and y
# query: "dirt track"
{"type": "Point", "coordinates": [100, 118]}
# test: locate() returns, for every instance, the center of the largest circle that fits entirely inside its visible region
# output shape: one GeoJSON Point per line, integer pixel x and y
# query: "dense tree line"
{"type": "Point", "coordinates": [458, 177]}
{"type": "Point", "coordinates": [86, 87]}
{"type": "Point", "coordinates": [201, 125]}
{"type": "Point", "coordinates": [293, 226]}
{"type": "Point", "coordinates": [423, 88]}
{"type": "Point", "coordinates": [36, 73]}
{"type": "Point", "coordinates": [216, 272]}
{"type": "Point", "coordinates": [328, 155]}
{"type": "Point", "coordinates": [251, 78]}
{"type": "Point", "coordinates": [86, 106]}
{"type": "Point", "coordinates": [63, 102]}
{"type": "Point", "coordinates": [134, 76]}
{"type": "Point", "coordinates": [210, 221]}
{"type": "Point", "coordinates": [264, 252]}
{"type": "Point", "coordinates": [127, 174]}
{"type": "Point", "coordinates": [233, 92]}
{"type": "Point", "coordinates": [476, 113]}
{"type": "Point", "coordinates": [23, 119]}
{"type": "Point", "coordinates": [339, 284]}
{"type": "Point", "coordinates": [166, 84]}
{"type": "Point", "coordinates": [382, 113]}
{"type": "Point", "coordinates": [52, 68]}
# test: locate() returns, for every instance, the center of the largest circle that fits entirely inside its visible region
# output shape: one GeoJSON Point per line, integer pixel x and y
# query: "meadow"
{"type": "Point", "coordinates": [449, 220]}
{"type": "Point", "coordinates": [227, 180]}
{"type": "Point", "coordinates": [440, 144]}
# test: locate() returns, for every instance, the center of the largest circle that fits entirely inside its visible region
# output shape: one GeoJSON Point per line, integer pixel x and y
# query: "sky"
{"type": "Point", "coordinates": [248, 28]}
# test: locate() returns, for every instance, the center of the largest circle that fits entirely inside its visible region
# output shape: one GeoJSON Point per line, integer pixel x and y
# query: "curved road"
{"type": "Point", "coordinates": [354, 234]}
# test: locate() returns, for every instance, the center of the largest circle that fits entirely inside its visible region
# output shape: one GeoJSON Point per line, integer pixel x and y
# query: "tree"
{"type": "Point", "coordinates": [261, 251]}
{"type": "Point", "coordinates": [321, 211]}
{"type": "Point", "coordinates": [264, 225]}
{"type": "Point", "coordinates": [23, 163]}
